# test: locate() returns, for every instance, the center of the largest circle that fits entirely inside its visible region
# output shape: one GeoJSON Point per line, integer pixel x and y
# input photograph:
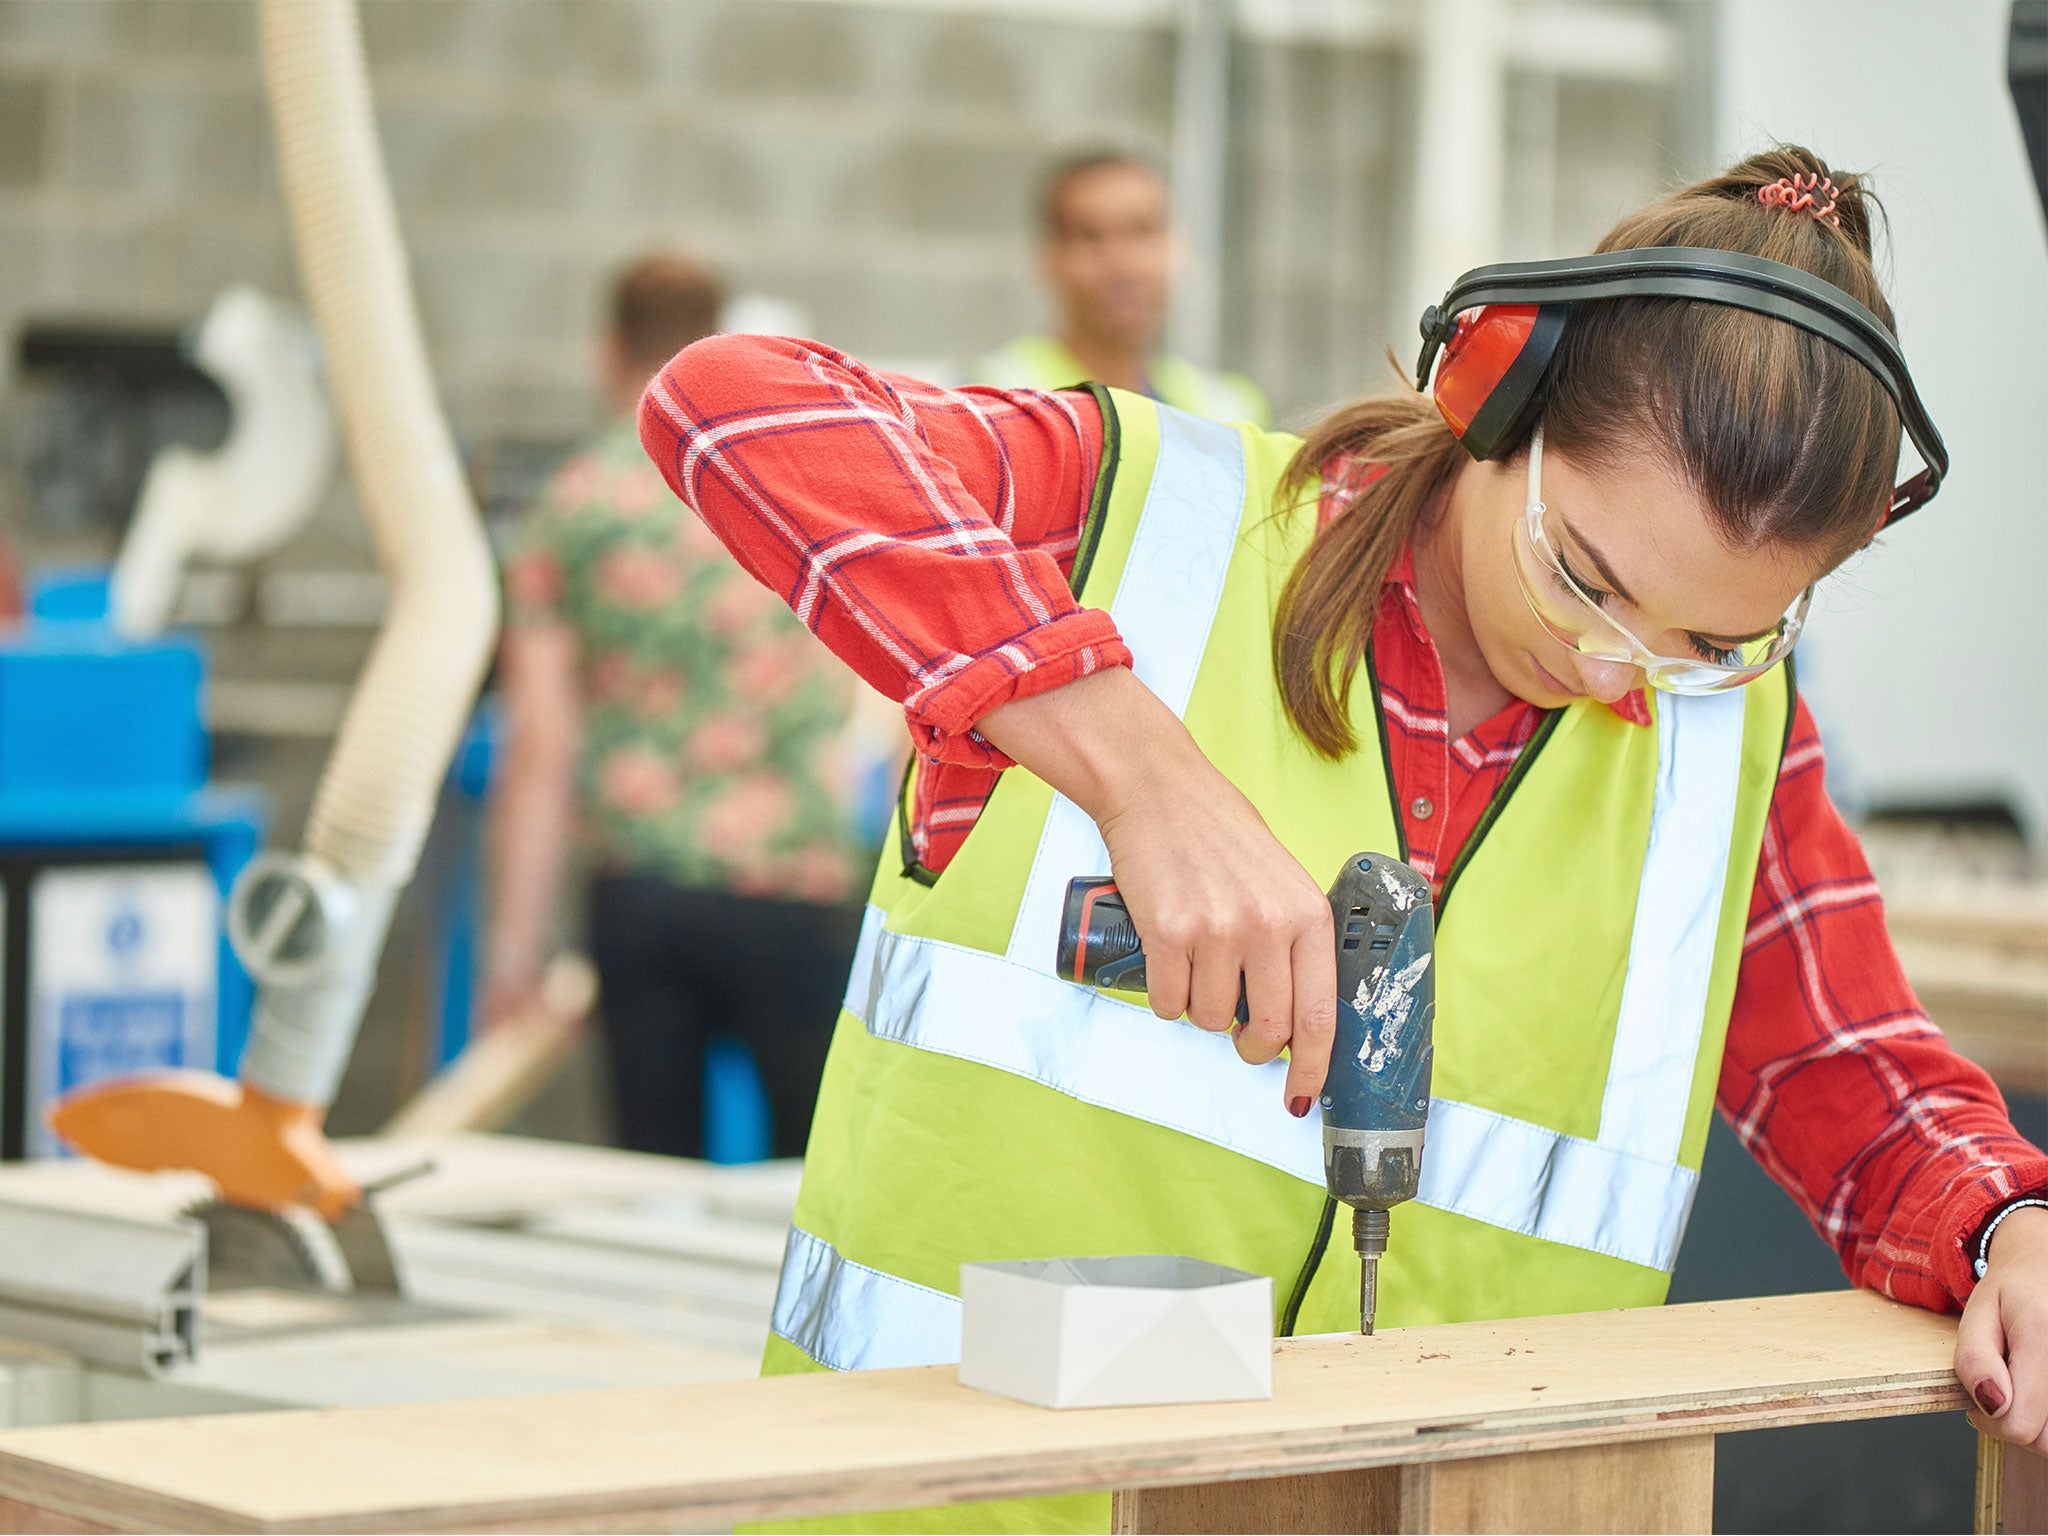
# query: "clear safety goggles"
{"type": "Point", "coordinates": [1577, 619]}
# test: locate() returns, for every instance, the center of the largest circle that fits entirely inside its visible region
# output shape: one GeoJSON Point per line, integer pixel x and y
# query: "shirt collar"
{"type": "Point", "coordinates": [1632, 706]}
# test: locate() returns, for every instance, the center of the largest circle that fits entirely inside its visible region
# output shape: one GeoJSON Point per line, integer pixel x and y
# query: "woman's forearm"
{"type": "Point", "coordinates": [1100, 741]}
{"type": "Point", "coordinates": [922, 533]}
{"type": "Point", "coordinates": [532, 827]}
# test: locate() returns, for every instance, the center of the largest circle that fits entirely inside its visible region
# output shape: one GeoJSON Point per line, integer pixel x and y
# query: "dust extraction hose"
{"type": "Point", "coordinates": [371, 812]}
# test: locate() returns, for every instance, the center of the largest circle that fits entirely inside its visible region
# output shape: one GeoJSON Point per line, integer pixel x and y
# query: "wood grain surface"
{"type": "Point", "coordinates": [2012, 1489]}
{"type": "Point", "coordinates": [716, 1453]}
{"type": "Point", "coordinates": [1640, 1485]}
{"type": "Point", "coordinates": [1368, 1500]}
{"type": "Point", "coordinates": [1643, 1485]}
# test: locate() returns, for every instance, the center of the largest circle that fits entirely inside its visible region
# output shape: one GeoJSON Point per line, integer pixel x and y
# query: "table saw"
{"type": "Point", "coordinates": [526, 1266]}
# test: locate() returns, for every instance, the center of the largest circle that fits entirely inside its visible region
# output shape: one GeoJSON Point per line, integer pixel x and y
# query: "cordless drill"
{"type": "Point", "coordinates": [1376, 1097]}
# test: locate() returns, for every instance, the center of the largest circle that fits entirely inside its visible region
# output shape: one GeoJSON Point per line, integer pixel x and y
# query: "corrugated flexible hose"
{"type": "Point", "coordinates": [377, 796]}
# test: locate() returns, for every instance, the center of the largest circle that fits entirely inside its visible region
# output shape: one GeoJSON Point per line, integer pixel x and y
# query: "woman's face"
{"type": "Point", "coordinates": [1633, 534]}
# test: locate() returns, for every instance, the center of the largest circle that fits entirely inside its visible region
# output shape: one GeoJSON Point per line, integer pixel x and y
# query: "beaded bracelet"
{"type": "Point", "coordinates": [1984, 1242]}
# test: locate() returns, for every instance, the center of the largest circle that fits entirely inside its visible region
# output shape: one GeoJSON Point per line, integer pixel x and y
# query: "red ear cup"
{"type": "Point", "coordinates": [1491, 373]}
{"type": "Point", "coordinates": [1479, 352]}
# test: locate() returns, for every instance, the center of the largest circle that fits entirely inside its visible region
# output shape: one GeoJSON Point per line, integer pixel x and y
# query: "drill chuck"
{"type": "Point", "coordinates": [1371, 1170]}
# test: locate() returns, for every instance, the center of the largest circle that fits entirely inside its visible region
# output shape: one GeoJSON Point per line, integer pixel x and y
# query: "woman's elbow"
{"type": "Point", "coordinates": [707, 379]}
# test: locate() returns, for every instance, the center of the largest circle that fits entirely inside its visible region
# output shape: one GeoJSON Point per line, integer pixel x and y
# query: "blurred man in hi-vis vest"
{"type": "Point", "coordinates": [1107, 254]}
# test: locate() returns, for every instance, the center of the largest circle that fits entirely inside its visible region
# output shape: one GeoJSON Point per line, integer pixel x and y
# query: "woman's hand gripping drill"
{"type": "Point", "coordinates": [1216, 898]}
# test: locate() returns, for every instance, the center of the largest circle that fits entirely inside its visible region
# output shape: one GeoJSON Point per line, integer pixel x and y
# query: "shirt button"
{"type": "Point", "coordinates": [1422, 808]}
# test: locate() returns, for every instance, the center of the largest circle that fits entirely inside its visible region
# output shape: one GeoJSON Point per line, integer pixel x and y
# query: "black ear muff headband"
{"type": "Point", "coordinates": [1677, 272]}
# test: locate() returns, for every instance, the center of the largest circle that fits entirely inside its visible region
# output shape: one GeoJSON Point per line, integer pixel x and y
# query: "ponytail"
{"type": "Point", "coordinates": [1325, 618]}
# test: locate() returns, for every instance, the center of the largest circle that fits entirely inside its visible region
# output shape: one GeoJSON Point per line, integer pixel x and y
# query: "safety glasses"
{"type": "Point", "coordinates": [1576, 618]}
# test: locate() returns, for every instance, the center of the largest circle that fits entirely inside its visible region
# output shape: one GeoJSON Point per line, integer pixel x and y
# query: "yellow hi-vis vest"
{"type": "Point", "coordinates": [1044, 362]}
{"type": "Point", "coordinates": [976, 1106]}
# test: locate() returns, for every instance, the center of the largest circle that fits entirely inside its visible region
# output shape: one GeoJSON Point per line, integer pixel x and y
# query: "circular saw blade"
{"type": "Point", "coordinates": [248, 1248]}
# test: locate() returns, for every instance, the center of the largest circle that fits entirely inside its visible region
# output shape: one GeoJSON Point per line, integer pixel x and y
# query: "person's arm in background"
{"type": "Point", "coordinates": [12, 598]}
{"type": "Point", "coordinates": [533, 805]}
{"type": "Point", "coordinates": [1899, 1150]}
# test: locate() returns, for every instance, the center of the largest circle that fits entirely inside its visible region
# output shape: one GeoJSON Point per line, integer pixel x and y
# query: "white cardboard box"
{"type": "Point", "coordinates": [1116, 1332]}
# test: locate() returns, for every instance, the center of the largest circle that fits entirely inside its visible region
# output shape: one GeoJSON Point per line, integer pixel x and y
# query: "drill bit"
{"type": "Point", "coordinates": [1369, 1236]}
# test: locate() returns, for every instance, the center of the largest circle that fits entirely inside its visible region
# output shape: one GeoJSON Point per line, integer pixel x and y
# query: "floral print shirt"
{"type": "Point", "coordinates": [713, 721]}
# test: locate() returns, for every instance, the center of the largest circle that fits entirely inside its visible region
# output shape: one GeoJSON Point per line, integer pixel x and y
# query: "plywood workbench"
{"type": "Point", "coordinates": [1600, 1421]}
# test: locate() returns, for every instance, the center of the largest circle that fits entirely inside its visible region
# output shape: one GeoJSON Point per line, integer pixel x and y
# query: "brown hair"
{"type": "Point", "coordinates": [661, 303]}
{"type": "Point", "coordinates": [1787, 438]}
{"type": "Point", "coordinates": [1052, 191]}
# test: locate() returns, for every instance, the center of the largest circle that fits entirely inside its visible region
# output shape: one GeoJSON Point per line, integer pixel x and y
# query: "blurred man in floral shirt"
{"type": "Point", "coordinates": [679, 713]}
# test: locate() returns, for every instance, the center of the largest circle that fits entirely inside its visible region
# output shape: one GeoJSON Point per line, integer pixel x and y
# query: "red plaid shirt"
{"type": "Point", "coordinates": [925, 534]}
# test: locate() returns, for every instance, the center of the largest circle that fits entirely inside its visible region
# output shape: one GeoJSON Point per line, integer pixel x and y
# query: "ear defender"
{"type": "Point", "coordinates": [1490, 376]}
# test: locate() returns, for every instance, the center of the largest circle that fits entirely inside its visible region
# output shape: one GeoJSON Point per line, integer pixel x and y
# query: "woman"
{"type": "Point", "coordinates": [1368, 639]}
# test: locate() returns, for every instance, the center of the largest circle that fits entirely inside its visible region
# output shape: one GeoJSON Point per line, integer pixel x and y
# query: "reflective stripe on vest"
{"type": "Point", "coordinates": [1678, 913]}
{"type": "Point", "coordinates": [852, 1318]}
{"type": "Point", "coordinates": [1164, 606]}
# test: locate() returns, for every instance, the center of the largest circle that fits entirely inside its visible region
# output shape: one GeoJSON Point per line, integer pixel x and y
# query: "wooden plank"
{"type": "Point", "coordinates": [1646, 1485]}
{"type": "Point", "coordinates": [1365, 1500]}
{"type": "Point", "coordinates": [1972, 937]}
{"type": "Point", "coordinates": [2012, 1488]}
{"type": "Point", "coordinates": [2023, 1499]}
{"type": "Point", "coordinates": [19, 1519]}
{"type": "Point", "coordinates": [1990, 1476]}
{"type": "Point", "coordinates": [1643, 1485]}
{"type": "Point", "coordinates": [502, 1068]}
{"type": "Point", "coordinates": [717, 1453]}
{"type": "Point", "coordinates": [507, 1178]}
{"type": "Point", "coordinates": [423, 1362]}
{"type": "Point", "coordinates": [683, 1234]}
{"type": "Point", "coordinates": [581, 1269]}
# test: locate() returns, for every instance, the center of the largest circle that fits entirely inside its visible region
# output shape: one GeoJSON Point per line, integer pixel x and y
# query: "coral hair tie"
{"type": "Point", "coordinates": [1808, 193]}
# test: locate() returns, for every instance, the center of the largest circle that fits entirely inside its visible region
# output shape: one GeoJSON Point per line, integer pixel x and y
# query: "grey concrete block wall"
{"type": "Point", "coordinates": [1317, 232]}
{"type": "Point", "coordinates": [875, 165]}
{"type": "Point", "coordinates": [872, 165]}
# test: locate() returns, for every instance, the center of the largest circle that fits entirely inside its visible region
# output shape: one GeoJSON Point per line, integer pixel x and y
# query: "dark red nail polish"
{"type": "Point", "coordinates": [1989, 1398]}
{"type": "Point", "coordinates": [1298, 1106]}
